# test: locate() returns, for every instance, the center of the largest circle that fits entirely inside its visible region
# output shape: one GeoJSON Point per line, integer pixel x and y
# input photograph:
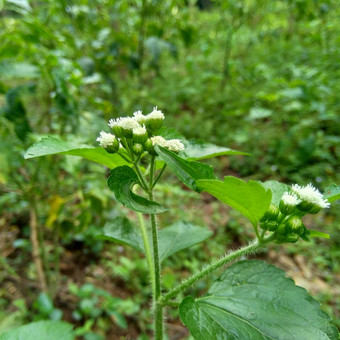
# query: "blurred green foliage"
{"type": "Point", "coordinates": [261, 77]}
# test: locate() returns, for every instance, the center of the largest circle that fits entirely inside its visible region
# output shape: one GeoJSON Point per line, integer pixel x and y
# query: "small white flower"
{"type": "Point", "coordinates": [175, 145]}
{"type": "Point", "coordinates": [155, 114]}
{"type": "Point", "coordinates": [159, 140]}
{"type": "Point", "coordinates": [127, 123]}
{"type": "Point", "coordinates": [311, 195]}
{"type": "Point", "coordinates": [106, 139]}
{"type": "Point", "coordinates": [290, 199]}
{"type": "Point", "coordinates": [139, 131]}
{"type": "Point", "coordinates": [139, 117]}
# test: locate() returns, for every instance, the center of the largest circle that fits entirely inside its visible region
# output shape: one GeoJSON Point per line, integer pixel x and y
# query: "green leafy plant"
{"type": "Point", "coordinates": [250, 299]}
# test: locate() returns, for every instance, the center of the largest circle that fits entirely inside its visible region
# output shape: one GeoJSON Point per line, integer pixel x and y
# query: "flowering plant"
{"type": "Point", "coordinates": [251, 299]}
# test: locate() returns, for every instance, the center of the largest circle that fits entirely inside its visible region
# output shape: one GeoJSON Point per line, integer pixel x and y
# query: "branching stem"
{"type": "Point", "coordinates": [250, 248]}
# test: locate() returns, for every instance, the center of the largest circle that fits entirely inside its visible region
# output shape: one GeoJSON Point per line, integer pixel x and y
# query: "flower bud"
{"type": "Point", "coordinates": [272, 213]}
{"type": "Point", "coordinates": [271, 225]}
{"type": "Point", "coordinates": [148, 146]}
{"type": "Point", "coordinates": [292, 238]}
{"type": "Point", "coordinates": [281, 229]}
{"type": "Point", "coordinates": [295, 225]}
{"type": "Point", "coordinates": [113, 148]}
{"type": "Point", "coordinates": [138, 149]}
{"type": "Point", "coordinates": [139, 135]}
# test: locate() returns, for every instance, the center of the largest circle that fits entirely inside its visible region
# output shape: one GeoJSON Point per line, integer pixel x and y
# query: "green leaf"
{"type": "Point", "coordinates": [332, 193]}
{"type": "Point", "coordinates": [254, 300]}
{"type": "Point", "coordinates": [198, 150]}
{"type": "Point", "coordinates": [120, 181]}
{"type": "Point", "coordinates": [277, 189]}
{"type": "Point", "coordinates": [315, 233]}
{"type": "Point", "coordinates": [172, 239]}
{"type": "Point", "coordinates": [121, 231]}
{"type": "Point", "coordinates": [187, 171]}
{"type": "Point", "coordinates": [53, 146]}
{"type": "Point", "coordinates": [250, 199]}
{"type": "Point", "coordinates": [179, 236]}
{"type": "Point", "coordinates": [41, 330]}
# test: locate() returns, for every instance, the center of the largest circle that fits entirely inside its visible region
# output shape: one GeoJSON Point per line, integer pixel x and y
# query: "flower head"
{"type": "Point", "coordinates": [106, 139]}
{"type": "Point", "coordinates": [311, 198]}
{"type": "Point", "coordinates": [139, 117]}
{"type": "Point", "coordinates": [311, 194]}
{"type": "Point", "coordinates": [290, 199]}
{"type": "Point", "coordinates": [155, 114]}
{"type": "Point", "coordinates": [154, 120]}
{"type": "Point", "coordinates": [175, 145]}
{"type": "Point", "coordinates": [127, 123]}
{"type": "Point", "coordinates": [159, 140]}
{"type": "Point", "coordinates": [139, 134]}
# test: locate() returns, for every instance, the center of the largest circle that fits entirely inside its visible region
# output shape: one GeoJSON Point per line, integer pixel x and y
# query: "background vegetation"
{"type": "Point", "coordinates": [258, 76]}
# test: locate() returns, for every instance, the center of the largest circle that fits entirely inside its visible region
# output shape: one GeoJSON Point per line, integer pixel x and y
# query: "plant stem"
{"type": "Point", "coordinates": [250, 248]}
{"type": "Point", "coordinates": [158, 308]}
{"type": "Point", "coordinates": [35, 247]}
{"type": "Point", "coordinates": [141, 178]}
{"type": "Point", "coordinates": [147, 250]}
{"type": "Point", "coordinates": [159, 175]}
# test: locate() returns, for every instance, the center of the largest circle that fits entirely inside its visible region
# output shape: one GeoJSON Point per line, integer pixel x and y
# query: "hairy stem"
{"type": "Point", "coordinates": [252, 247]}
{"type": "Point", "coordinates": [147, 250]}
{"type": "Point", "coordinates": [158, 308]}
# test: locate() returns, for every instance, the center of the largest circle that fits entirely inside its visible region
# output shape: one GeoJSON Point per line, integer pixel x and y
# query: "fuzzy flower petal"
{"type": "Point", "coordinates": [290, 199]}
{"type": "Point", "coordinates": [159, 140]}
{"type": "Point", "coordinates": [106, 139]}
{"type": "Point", "coordinates": [310, 195]}
{"type": "Point", "coordinates": [155, 114]}
{"type": "Point", "coordinates": [175, 145]}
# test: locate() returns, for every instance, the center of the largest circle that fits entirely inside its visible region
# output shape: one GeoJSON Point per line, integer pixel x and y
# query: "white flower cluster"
{"type": "Point", "coordinates": [290, 199]}
{"type": "Point", "coordinates": [311, 195]}
{"type": "Point", "coordinates": [141, 129]}
{"type": "Point", "coordinates": [106, 139]}
{"type": "Point", "coordinates": [137, 120]}
{"type": "Point", "coordinates": [174, 145]}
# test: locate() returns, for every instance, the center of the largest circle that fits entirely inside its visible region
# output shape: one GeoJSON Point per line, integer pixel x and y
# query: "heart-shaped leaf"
{"type": "Point", "coordinates": [53, 146]}
{"type": "Point", "coordinates": [120, 181]}
{"type": "Point", "coordinates": [171, 240]}
{"type": "Point", "coordinates": [250, 198]}
{"type": "Point", "coordinates": [51, 330]}
{"type": "Point", "coordinates": [187, 171]}
{"type": "Point", "coordinates": [254, 300]}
